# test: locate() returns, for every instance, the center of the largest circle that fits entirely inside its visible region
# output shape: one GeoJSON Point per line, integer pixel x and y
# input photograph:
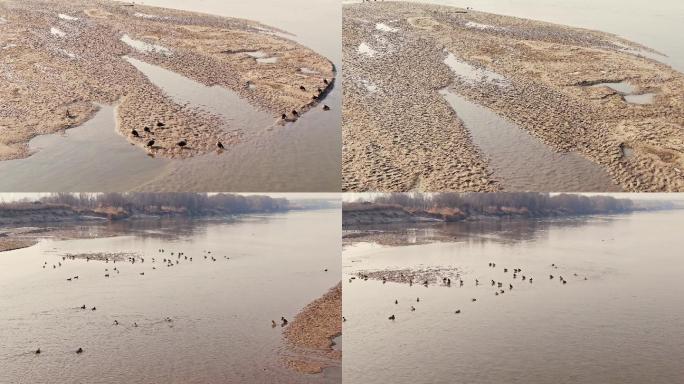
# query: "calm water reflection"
{"type": "Point", "coordinates": [221, 311]}
{"type": "Point", "coordinates": [621, 325]}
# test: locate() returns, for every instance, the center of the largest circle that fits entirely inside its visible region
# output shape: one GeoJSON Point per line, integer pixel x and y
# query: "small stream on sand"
{"type": "Point", "coordinates": [520, 161]}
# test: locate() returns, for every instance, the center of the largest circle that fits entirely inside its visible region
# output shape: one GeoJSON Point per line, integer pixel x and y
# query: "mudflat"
{"type": "Point", "coordinates": [309, 336]}
{"type": "Point", "coordinates": [578, 91]}
{"type": "Point", "coordinates": [60, 59]}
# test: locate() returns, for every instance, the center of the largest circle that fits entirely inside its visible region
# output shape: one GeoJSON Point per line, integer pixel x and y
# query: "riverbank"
{"type": "Point", "coordinates": [310, 335]}
{"type": "Point", "coordinates": [577, 91]}
{"type": "Point", "coordinates": [55, 75]}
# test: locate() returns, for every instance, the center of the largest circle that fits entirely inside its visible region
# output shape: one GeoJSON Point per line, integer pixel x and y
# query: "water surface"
{"type": "Point", "coordinates": [303, 156]}
{"type": "Point", "coordinates": [520, 161]}
{"type": "Point", "coordinates": [621, 325]}
{"type": "Point", "coordinates": [221, 311]}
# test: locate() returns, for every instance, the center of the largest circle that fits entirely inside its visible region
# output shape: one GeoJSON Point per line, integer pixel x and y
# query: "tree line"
{"type": "Point", "coordinates": [185, 202]}
{"type": "Point", "coordinates": [534, 203]}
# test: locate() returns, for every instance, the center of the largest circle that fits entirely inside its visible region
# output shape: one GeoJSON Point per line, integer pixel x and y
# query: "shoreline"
{"type": "Point", "coordinates": [310, 335]}
{"type": "Point", "coordinates": [537, 75]}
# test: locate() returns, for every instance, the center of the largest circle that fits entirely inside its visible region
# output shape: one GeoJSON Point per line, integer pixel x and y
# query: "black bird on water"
{"type": "Point", "coordinates": [457, 311]}
{"type": "Point", "coordinates": [135, 133]}
{"type": "Point", "coordinates": [94, 309]}
{"type": "Point", "coordinates": [38, 351]}
{"type": "Point", "coordinates": [326, 108]}
{"type": "Point", "coordinates": [392, 317]}
{"type": "Point", "coordinates": [284, 321]}
{"type": "Point", "coordinates": [83, 306]}
{"type": "Point", "coordinates": [182, 143]}
{"type": "Point", "coordinates": [220, 145]}
{"type": "Point", "coordinates": [79, 350]}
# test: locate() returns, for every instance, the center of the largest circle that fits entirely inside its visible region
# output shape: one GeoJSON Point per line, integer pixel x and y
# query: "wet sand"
{"type": "Point", "coordinates": [310, 335]}
{"type": "Point", "coordinates": [60, 60]}
{"type": "Point", "coordinates": [400, 134]}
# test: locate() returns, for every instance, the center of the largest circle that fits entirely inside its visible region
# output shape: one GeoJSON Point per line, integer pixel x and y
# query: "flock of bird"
{"type": "Point", "coordinates": [160, 125]}
{"type": "Point", "coordinates": [168, 261]}
{"type": "Point", "coordinates": [177, 258]}
{"type": "Point", "coordinates": [183, 142]}
{"type": "Point", "coordinates": [319, 93]}
{"type": "Point", "coordinates": [499, 286]}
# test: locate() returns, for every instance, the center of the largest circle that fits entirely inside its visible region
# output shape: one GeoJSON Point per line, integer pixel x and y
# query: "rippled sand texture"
{"type": "Point", "coordinates": [399, 134]}
{"type": "Point", "coordinates": [70, 55]}
{"type": "Point", "coordinates": [309, 336]}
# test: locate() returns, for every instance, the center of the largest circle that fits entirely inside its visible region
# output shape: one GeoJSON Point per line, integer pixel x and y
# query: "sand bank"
{"type": "Point", "coordinates": [400, 134]}
{"type": "Point", "coordinates": [60, 59]}
{"type": "Point", "coordinates": [309, 336]}
{"type": "Point", "coordinates": [422, 276]}
{"type": "Point", "coordinates": [12, 238]}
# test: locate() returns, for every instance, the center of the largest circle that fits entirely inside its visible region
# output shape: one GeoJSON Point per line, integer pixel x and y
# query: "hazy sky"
{"type": "Point", "coordinates": [6, 197]}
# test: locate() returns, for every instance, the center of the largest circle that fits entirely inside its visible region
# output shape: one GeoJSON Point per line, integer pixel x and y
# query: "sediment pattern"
{"type": "Point", "coordinates": [309, 335]}
{"type": "Point", "coordinates": [60, 59]}
{"type": "Point", "coordinates": [400, 134]}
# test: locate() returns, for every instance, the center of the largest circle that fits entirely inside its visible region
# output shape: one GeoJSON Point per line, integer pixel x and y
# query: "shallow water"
{"type": "Point", "coordinates": [622, 87]}
{"type": "Point", "coordinates": [520, 161]}
{"type": "Point", "coordinates": [242, 115]}
{"type": "Point", "coordinates": [221, 311]}
{"type": "Point", "coordinates": [91, 157]}
{"type": "Point", "coordinates": [622, 325]}
{"type": "Point", "coordinates": [301, 156]}
{"type": "Point", "coordinates": [646, 98]}
{"type": "Point", "coordinates": [628, 92]}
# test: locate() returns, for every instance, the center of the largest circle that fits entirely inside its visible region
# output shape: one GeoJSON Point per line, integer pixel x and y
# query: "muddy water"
{"type": "Point", "coordinates": [621, 325]}
{"type": "Point", "coordinates": [91, 157]}
{"type": "Point", "coordinates": [241, 116]}
{"type": "Point", "coordinates": [520, 161]}
{"type": "Point", "coordinates": [302, 156]}
{"type": "Point", "coordinates": [221, 311]}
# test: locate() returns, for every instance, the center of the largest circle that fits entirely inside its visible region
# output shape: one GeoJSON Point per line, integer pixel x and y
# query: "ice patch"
{"type": "Point", "coordinates": [57, 32]}
{"type": "Point", "coordinates": [473, 24]}
{"type": "Point", "coordinates": [370, 87]}
{"type": "Point", "coordinates": [308, 71]}
{"type": "Point", "coordinates": [366, 49]}
{"type": "Point", "coordinates": [471, 73]}
{"type": "Point", "coordinates": [267, 60]}
{"type": "Point", "coordinates": [145, 47]}
{"type": "Point", "coordinates": [67, 17]}
{"type": "Point", "coordinates": [145, 15]}
{"type": "Point", "coordinates": [385, 28]}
